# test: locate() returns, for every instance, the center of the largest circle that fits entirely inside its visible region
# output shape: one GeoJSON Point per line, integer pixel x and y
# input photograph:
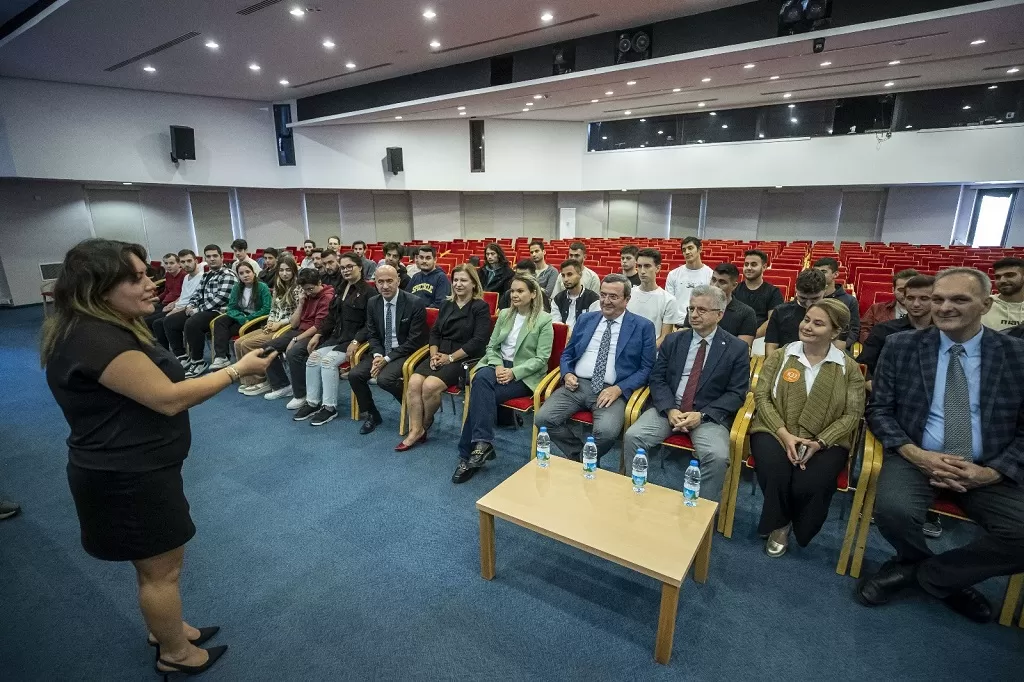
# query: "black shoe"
{"type": "Point", "coordinates": [215, 654]}
{"type": "Point", "coordinates": [463, 472]}
{"type": "Point", "coordinates": [305, 412]}
{"type": "Point", "coordinates": [205, 635]}
{"type": "Point", "coordinates": [323, 415]}
{"type": "Point", "coordinates": [893, 577]}
{"type": "Point", "coordinates": [8, 509]}
{"type": "Point", "coordinates": [373, 420]}
{"type": "Point", "coordinates": [970, 603]}
{"type": "Point", "coordinates": [483, 452]}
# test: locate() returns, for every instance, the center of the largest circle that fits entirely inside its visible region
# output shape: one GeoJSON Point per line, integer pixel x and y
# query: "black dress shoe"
{"type": "Point", "coordinates": [483, 452]}
{"type": "Point", "coordinates": [890, 579]}
{"type": "Point", "coordinates": [971, 603]}
{"type": "Point", "coordinates": [463, 472]}
{"type": "Point", "coordinates": [371, 423]}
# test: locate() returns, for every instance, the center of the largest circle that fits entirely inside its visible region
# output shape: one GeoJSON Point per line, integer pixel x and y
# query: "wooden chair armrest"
{"type": "Point", "coordinates": [410, 362]}
{"type": "Point", "coordinates": [636, 405]}
{"type": "Point", "coordinates": [359, 353]}
{"type": "Point", "coordinates": [552, 381]}
{"type": "Point", "coordinates": [213, 321]}
{"type": "Point", "coordinates": [282, 331]}
{"type": "Point", "coordinates": [540, 393]}
{"type": "Point", "coordinates": [252, 324]}
{"type": "Point", "coordinates": [757, 365]}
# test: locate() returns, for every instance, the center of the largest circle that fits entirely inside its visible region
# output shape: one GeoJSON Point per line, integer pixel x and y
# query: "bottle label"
{"type": "Point", "coordinates": [689, 493]}
{"type": "Point", "coordinates": [639, 480]}
{"type": "Point", "coordinates": [590, 465]}
{"type": "Point", "coordinates": [542, 455]}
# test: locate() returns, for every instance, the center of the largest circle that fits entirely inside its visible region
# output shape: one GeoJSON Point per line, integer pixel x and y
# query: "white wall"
{"type": "Point", "coordinates": [272, 217]}
{"type": "Point", "coordinates": [920, 215]}
{"type": "Point", "coordinates": [733, 214]}
{"type": "Point", "coordinates": [436, 215]}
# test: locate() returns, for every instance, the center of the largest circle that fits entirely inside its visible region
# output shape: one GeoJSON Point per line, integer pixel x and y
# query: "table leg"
{"type": "Point", "coordinates": [486, 545]}
{"type": "Point", "coordinates": [666, 623]}
{"type": "Point", "coordinates": [703, 559]}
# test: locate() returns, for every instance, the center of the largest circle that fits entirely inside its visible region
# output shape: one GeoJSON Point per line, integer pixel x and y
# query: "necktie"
{"type": "Point", "coordinates": [686, 404]}
{"type": "Point", "coordinates": [959, 434]}
{"type": "Point", "coordinates": [601, 365]}
{"type": "Point", "coordinates": [388, 325]}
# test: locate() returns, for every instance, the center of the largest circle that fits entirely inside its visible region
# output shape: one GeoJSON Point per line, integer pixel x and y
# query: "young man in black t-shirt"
{"type": "Point", "coordinates": [784, 322]}
{"type": "Point", "coordinates": [830, 268]}
{"type": "Point", "coordinates": [760, 295]}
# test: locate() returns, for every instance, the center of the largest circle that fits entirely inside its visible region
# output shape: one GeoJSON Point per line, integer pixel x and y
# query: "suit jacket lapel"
{"type": "Point", "coordinates": [624, 334]}
{"type": "Point", "coordinates": [992, 361]}
{"type": "Point", "coordinates": [678, 363]}
{"type": "Point", "coordinates": [715, 353]}
{"type": "Point", "coordinates": [929, 354]}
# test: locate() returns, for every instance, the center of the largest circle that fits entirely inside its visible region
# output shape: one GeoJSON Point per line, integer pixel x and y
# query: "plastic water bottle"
{"type": "Point", "coordinates": [639, 470]}
{"type": "Point", "coordinates": [691, 484]}
{"type": "Point", "coordinates": [543, 447]}
{"type": "Point", "coordinates": [589, 458]}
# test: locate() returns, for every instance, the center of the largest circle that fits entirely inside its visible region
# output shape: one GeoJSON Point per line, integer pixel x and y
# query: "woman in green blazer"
{"type": "Point", "coordinates": [250, 298]}
{"type": "Point", "coordinates": [514, 363]}
{"type": "Point", "coordinates": [809, 402]}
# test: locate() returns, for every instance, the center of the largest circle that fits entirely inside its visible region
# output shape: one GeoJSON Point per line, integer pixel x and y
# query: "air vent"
{"type": "Point", "coordinates": [149, 53]}
{"type": "Point", "coordinates": [50, 271]}
{"type": "Point", "coordinates": [252, 9]}
{"type": "Point", "coordinates": [342, 75]}
{"type": "Point", "coordinates": [518, 34]}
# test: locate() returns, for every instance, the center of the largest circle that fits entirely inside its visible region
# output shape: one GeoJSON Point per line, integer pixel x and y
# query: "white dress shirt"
{"type": "Point", "coordinates": [691, 357]}
{"type": "Point", "coordinates": [585, 365]}
{"type": "Point", "coordinates": [391, 343]}
{"type": "Point", "coordinates": [508, 346]}
{"type": "Point", "coordinates": [796, 350]}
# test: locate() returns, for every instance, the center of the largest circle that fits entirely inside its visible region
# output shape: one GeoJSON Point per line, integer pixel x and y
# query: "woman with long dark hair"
{"type": "Point", "coordinates": [285, 301]}
{"type": "Point", "coordinates": [250, 298]}
{"type": "Point", "coordinates": [126, 400]}
{"type": "Point", "coordinates": [496, 274]}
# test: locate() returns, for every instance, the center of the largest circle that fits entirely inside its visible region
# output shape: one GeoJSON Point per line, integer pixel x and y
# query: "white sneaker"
{"type": "Point", "coordinates": [285, 392]}
{"type": "Point", "coordinates": [219, 363]}
{"type": "Point", "coordinates": [295, 403]}
{"type": "Point", "coordinates": [257, 389]}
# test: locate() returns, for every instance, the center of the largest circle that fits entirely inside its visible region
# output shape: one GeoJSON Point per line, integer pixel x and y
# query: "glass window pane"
{"type": "Point", "coordinates": [991, 221]}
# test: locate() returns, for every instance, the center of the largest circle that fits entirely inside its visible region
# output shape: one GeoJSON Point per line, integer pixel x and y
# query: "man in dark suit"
{"type": "Point", "coordinates": [948, 406]}
{"type": "Point", "coordinates": [396, 324]}
{"type": "Point", "coordinates": [609, 355]}
{"type": "Point", "coordinates": [698, 383]}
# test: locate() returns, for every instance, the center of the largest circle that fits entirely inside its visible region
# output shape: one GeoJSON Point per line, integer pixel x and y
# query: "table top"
{"type": "Point", "coordinates": [653, 533]}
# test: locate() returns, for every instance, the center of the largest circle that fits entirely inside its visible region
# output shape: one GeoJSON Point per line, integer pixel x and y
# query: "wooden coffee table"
{"type": "Point", "coordinates": [653, 533]}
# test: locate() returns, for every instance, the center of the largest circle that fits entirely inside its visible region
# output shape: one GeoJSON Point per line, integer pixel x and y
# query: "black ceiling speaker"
{"type": "Point", "coordinates": [634, 45]}
{"type": "Point", "coordinates": [183, 144]}
{"type": "Point", "coordinates": [802, 16]}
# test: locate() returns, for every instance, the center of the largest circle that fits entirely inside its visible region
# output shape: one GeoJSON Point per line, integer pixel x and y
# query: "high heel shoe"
{"type": "Point", "coordinates": [215, 654]}
{"type": "Point", "coordinates": [205, 635]}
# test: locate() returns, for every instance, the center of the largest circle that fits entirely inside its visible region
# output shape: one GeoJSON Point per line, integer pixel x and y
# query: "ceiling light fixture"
{"type": "Point", "coordinates": [909, 127]}
{"type": "Point", "coordinates": [429, 14]}
{"type": "Point", "coordinates": [461, 108]}
{"type": "Point", "coordinates": [604, 137]}
{"type": "Point", "coordinates": [895, 62]}
{"type": "Point", "coordinates": [979, 41]}
{"type": "Point", "coordinates": [149, 69]}
{"type": "Point", "coordinates": [724, 126]}
{"type": "Point", "coordinates": [749, 66]}
{"type": "Point", "coordinates": [526, 108]}
{"type": "Point", "coordinates": [714, 113]}
{"type": "Point", "coordinates": [702, 104]}
{"type": "Point", "coordinates": [774, 78]}
{"type": "Point", "coordinates": [826, 64]}
{"type": "Point", "coordinates": [212, 45]}
{"type": "Point", "coordinates": [328, 43]}
{"type": "Point", "coordinates": [705, 80]}
{"type": "Point", "coordinates": [999, 120]}
{"type": "Point", "coordinates": [627, 113]}
{"type": "Point", "coordinates": [126, 183]}
{"type": "Point", "coordinates": [529, 104]}
{"type": "Point", "coordinates": [297, 12]}
{"type": "Point", "coordinates": [967, 107]}
{"type": "Point", "coordinates": [792, 106]}
{"type": "Point", "coordinates": [398, 118]}
{"type": "Point", "coordinates": [890, 84]}
{"type": "Point", "coordinates": [594, 101]}
{"type": "Point", "coordinates": [254, 67]}
{"type": "Point", "coordinates": [609, 93]}
{"type": "Point", "coordinates": [643, 120]}
{"type": "Point", "coordinates": [794, 120]}
{"type": "Point", "coordinates": [661, 132]}
{"type": "Point", "coordinates": [787, 95]}
{"type": "Point", "coordinates": [677, 89]}
{"type": "Point", "coordinates": [435, 44]}
{"type": "Point", "coordinates": [350, 65]}
{"type": "Point", "coordinates": [630, 82]}
{"type": "Point", "coordinates": [462, 113]}
{"type": "Point", "coordinates": [761, 135]}
{"type": "Point", "coordinates": [538, 96]}
{"type": "Point", "coordinates": [993, 87]}
{"type": "Point", "coordinates": [283, 81]}
{"type": "Point", "coordinates": [547, 16]}
{"type": "Point", "coordinates": [1013, 70]}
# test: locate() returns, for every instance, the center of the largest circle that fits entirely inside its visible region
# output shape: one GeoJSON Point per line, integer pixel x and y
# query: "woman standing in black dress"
{"type": "Point", "coordinates": [126, 400]}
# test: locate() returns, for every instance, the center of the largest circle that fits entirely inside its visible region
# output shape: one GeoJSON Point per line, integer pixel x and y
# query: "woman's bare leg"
{"type": "Point", "coordinates": [160, 601]}
{"type": "Point", "coordinates": [414, 408]}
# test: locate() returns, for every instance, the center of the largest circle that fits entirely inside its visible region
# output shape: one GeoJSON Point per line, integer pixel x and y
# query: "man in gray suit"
{"type": "Point", "coordinates": [698, 383]}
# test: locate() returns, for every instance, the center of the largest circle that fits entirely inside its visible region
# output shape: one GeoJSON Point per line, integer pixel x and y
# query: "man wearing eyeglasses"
{"type": "Point", "coordinates": [698, 384]}
{"type": "Point", "coordinates": [784, 323]}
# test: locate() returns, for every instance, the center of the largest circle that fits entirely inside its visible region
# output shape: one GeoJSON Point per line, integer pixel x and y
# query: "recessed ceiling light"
{"type": "Point", "coordinates": [895, 62]}
{"type": "Point", "coordinates": [774, 78]}
{"type": "Point", "coordinates": [829, 131]}
{"type": "Point", "coordinates": [350, 65]}
{"type": "Point", "coordinates": [529, 104]}
{"type": "Point", "coordinates": [966, 107]}
{"type": "Point", "coordinates": [749, 66]}
{"type": "Point", "coordinates": [398, 118]}
{"type": "Point", "coordinates": [627, 113]}
{"type": "Point", "coordinates": [1012, 70]}
{"type": "Point", "coordinates": [149, 69]}
{"type": "Point", "coordinates": [594, 101]}
{"type": "Point", "coordinates": [625, 190]}
{"type": "Point", "coordinates": [604, 137]}
{"type": "Point", "coordinates": [547, 16]}
{"type": "Point", "coordinates": [609, 93]}
{"type": "Point", "coordinates": [661, 132]}
{"type": "Point", "coordinates": [538, 96]}
{"type": "Point", "coordinates": [643, 120]}
{"type": "Point", "coordinates": [979, 41]}
{"type": "Point", "coordinates": [909, 127]}
{"type": "Point", "coordinates": [462, 113]}
{"type": "Point", "coordinates": [329, 44]}
{"type": "Point", "coordinates": [792, 106]}
{"type": "Point", "coordinates": [677, 89]}
{"type": "Point", "coordinates": [429, 14]}
{"type": "Point", "coordinates": [714, 113]}
{"type": "Point", "coordinates": [212, 45]}
{"type": "Point", "coordinates": [297, 12]}
{"type": "Point", "coordinates": [126, 183]}
{"type": "Point", "coordinates": [787, 95]}
{"type": "Point", "coordinates": [724, 126]}
{"type": "Point", "coordinates": [283, 81]}
{"type": "Point", "coordinates": [702, 104]}
{"type": "Point", "coordinates": [630, 82]}
{"type": "Point", "coordinates": [461, 108]}
{"type": "Point", "coordinates": [700, 141]}
{"type": "Point", "coordinates": [642, 146]}
{"type": "Point", "coordinates": [761, 135]}
{"type": "Point", "coordinates": [254, 67]}
{"type": "Point", "coordinates": [993, 87]}
{"type": "Point", "coordinates": [705, 80]}
{"type": "Point", "coordinates": [435, 44]}
{"type": "Point", "coordinates": [778, 186]}
{"type": "Point", "coordinates": [890, 84]}
{"type": "Point", "coordinates": [826, 64]}
{"type": "Point", "coordinates": [794, 120]}
{"type": "Point", "coordinates": [999, 120]}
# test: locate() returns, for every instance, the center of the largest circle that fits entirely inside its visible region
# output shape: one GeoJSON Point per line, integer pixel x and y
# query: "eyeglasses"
{"type": "Point", "coordinates": [694, 310]}
{"type": "Point", "coordinates": [346, 267]}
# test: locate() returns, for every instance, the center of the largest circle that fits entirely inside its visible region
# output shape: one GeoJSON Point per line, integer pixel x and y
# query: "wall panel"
{"type": "Point", "coordinates": [212, 218]}
{"type": "Point", "coordinates": [392, 216]}
{"type": "Point", "coordinates": [323, 212]}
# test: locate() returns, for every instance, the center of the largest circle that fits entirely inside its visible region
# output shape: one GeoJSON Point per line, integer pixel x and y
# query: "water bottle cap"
{"type": "Point", "coordinates": [590, 439]}
{"type": "Point", "coordinates": [694, 463]}
{"type": "Point", "coordinates": [641, 451]}
{"type": "Point", "coordinates": [544, 429]}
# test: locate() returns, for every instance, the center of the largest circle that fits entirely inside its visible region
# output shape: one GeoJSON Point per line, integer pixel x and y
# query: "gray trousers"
{"type": "Point", "coordinates": [902, 502]}
{"type": "Point", "coordinates": [563, 403]}
{"type": "Point", "coordinates": [710, 443]}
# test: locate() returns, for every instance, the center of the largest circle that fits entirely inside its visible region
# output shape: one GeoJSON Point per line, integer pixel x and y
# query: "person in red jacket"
{"type": "Point", "coordinates": [316, 299]}
{"type": "Point", "coordinates": [173, 278]}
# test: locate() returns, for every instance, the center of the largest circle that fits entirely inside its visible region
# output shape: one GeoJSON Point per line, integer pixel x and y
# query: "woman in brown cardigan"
{"type": "Point", "coordinates": [810, 400]}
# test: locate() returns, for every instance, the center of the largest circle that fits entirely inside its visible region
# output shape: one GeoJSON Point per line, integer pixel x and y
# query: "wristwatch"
{"type": "Point", "coordinates": [822, 445]}
{"type": "Point", "coordinates": [451, 360]}
{"type": "Point", "coordinates": [704, 418]}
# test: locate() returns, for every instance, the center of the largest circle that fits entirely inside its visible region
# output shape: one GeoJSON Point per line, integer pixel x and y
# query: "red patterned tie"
{"type": "Point", "coordinates": [686, 404]}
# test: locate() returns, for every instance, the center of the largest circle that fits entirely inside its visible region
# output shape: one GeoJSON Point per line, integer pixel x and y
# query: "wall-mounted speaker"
{"type": "Point", "coordinates": [285, 142]}
{"type": "Point", "coordinates": [183, 144]}
{"type": "Point", "coordinates": [394, 163]}
{"type": "Point", "coordinates": [563, 59]}
{"type": "Point", "coordinates": [634, 45]}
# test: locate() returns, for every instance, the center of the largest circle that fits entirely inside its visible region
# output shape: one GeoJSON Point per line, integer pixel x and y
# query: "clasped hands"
{"type": "Point", "coordinates": [605, 398]}
{"type": "Point", "coordinates": [683, 422]}
{"type": "Point", "coordinates": [792, 445]}
{"type": "Point", "coordinates": [438, 360]}
{"type": "Point", "coordinates": [950, 472]}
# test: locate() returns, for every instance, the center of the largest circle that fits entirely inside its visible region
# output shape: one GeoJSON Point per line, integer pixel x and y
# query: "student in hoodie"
{"type": "Point", "coordinates": [430, 283]}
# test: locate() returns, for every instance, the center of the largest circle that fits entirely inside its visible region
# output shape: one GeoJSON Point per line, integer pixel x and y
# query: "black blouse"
{"type": "Point", "coordinates": [346, 317]}
{"type": "Point", "coordinates": [468, 328]}
{"type": "Point", "coordinates": [109, 431]}
{"type": "Point", "coordinates": [497, 280]}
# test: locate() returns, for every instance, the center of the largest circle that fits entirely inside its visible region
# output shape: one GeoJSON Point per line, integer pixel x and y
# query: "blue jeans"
{"type": "Point", "coordinates": [485, 396]}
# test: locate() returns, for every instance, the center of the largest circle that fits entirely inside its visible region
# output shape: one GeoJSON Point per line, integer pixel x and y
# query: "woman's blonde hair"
{"type": "Point", "coordinates": [287, 291]}
{"type": "Point", "coordinates": [838, 314]}
{"type": "Point", "coordinates": [537, 306]}
{"type": "Point", "coordinates": [90, 271]}
{"type": "Point", "coordinates": [478, 288]}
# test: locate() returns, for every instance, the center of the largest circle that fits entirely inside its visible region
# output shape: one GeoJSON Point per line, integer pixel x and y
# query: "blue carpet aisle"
{"type": "Point", "coordinates": [325, 555]}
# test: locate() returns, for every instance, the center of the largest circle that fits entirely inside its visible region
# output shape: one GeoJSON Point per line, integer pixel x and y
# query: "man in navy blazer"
{"type": "Point", "coordinates": [609, 355]}
{"type": "Point", "coordinates": [948, 406]}
{"type": "Point", "coordinates": [717, 389]}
